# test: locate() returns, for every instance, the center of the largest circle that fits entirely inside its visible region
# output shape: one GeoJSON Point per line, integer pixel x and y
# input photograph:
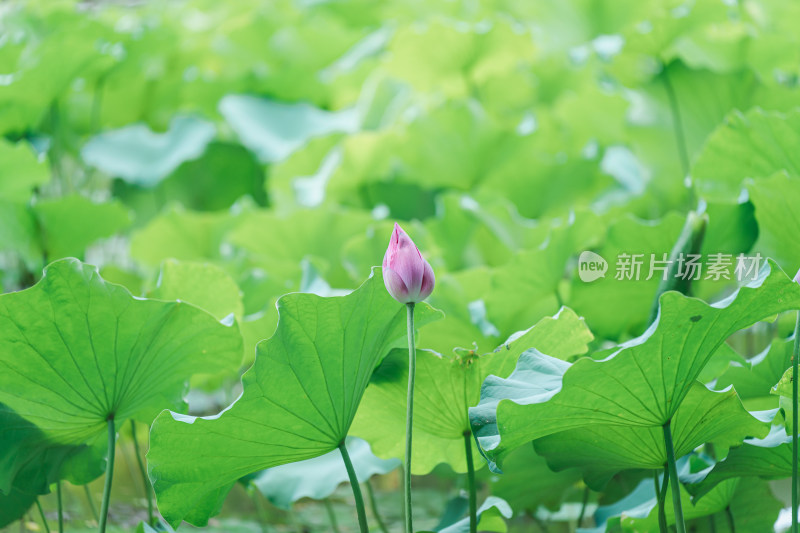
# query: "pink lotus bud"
{"type": "Point", "coordinates": [408, 277]}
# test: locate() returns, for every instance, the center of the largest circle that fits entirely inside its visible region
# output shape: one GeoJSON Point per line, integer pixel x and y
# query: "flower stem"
{"type": "Point", "coordinates": [412, 368]}
{"type": "Point", "coordinates": [112, 441]}
{"type": "Point", "coordinates": [373, 504]}
{"type": "Point", "coordinates": [60, 508]}
{"type": "Point", "coordinates": [673, 479]}
{"type": "Point", "coordinates": [143, 472]}
{"type": "Point", "coordinates": [795, 353]}
{"type": "Point", "coordinates": [351, 473]}
{"type": "Point", "coordinates": [41, 513]}
{"type": "Point", "coordinates": [473, 497]}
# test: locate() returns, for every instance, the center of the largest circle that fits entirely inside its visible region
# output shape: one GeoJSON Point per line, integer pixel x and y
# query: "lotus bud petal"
{"type": "Point", "coordinates": [407, 275]}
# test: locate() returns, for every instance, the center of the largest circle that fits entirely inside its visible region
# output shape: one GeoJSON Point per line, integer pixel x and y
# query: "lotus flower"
{"type": "Point", "coordinates": [408, 277]}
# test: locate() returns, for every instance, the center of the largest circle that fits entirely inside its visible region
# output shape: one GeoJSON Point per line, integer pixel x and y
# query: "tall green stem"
{"type": "Point", "coordinates": [112, 442]}
{"type": "Point", "coordinates": [351, 473]}
{"type": "Point", "coordinates": [795, 353]}
{"type": "Point", "coordinates": [143, 472]}
{"type": "Point", "coordinates": [473, 497]}
{"type": "Point", "coordinates": [373, 504]}
{"type": "Point", "coordinates": [60, 508]}
{"type": "Point", "coordinates": [41, 513]}
{"type": "Point", "coordinates": [731, 523]}
{"type": "Point", "coordinates": [331, 515]}
{"type": "Point", "coordinates": [412, 368]}
{"type": "Point", "coordinates": [262, 518]}
{"type": "Point", "coordinates": [584, 503]}
{"type": "Point", "coordinates": [677, 123]}
{"type": "Point", "coordinates": [661, 494]}
{"type": "Point", "coordinates": [89, 499]}
{"type": "Point", "coordinates": [673, 479]}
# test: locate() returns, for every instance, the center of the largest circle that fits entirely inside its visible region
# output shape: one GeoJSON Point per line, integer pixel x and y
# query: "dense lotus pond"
{"type": "Point", "coordinates": [342, 266]}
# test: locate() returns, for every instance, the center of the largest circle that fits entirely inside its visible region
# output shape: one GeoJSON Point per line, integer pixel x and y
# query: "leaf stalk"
{"type": "Point", "coordinates": [112, 441]}
{"type": "Point", "coordinates": [351, 473]}
{"type": "Point", "coordinates": [673, 478]}
{"type": "Point", "coordinates": [41, 513]}
{"type": "Point", "coordinates": [143, 472]}
{"type": "Point", "coordinates": [331, 515]}
{"type": "Point", "coordinates": [60, 508]}
{"type": "Point", "coordinates": [473, 496]}
{"type": "Point", "coordinates": [373, 504]}
{"type": "Point", "coordinates": [661, 495]}
{"type": "Point", "coordinates": [89, 500]}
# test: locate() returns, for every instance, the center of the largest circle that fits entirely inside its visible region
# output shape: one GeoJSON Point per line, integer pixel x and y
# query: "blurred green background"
{"type": "Point", "coordinates": [226, 153]}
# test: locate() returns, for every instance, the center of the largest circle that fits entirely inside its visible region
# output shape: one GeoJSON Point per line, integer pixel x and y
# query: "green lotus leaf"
{"type": "Point", "coordinates": [716, 502]}
{"type": "Point", "coordinates": [30, 462]}
{"type": "Point", "coordinates": [640, 499]}
{"type": "Point", "coordinates": [601, 451]}
{"type": "Point", "coordinates": [702, 98]}
{"type": "Point", "coordinates": [14, 505]}
{"type": "Point", "coordinates": [196, 185]}
{"type": "Point", "coordinates": [19, 234]}
{"type": "Point", "coordinates": [71, 223]}
{"type": "Point", "coordinates": [319, 234]}
{"type": "Point", "coordinates": [755, 377]}
{"type": "Point", "coordinates": [205, 285]}
{"type": "Point", "coordinates": [465, 55]}
{"type": "Point", "coordinates": [528, 482]}
{"type": "Point", "coordinates": [723, 359]}
{"type": "Point", "coordinates": [445, 387]}
{"type": "Point", "coordinates": [486, 305]}
{"type": "Point", "coordinates": [181, 234]}
{"type": "Point", "coordinates": [536, 180]}
{"type": "Point", "coordinates": [783, 389]}
{"type": "Point", "coordinates": [490, 514]}
{"type": "Point", "coordinates": [750, 504]}
{"type": "Point", "coordinates": [483, 230]}
{"type": "Point", "coordinates": [317, 478]}
{"type": "Point", "coordinates": [42, 73]}
{"type": "Point", "coordinates": [34, 463]}
{"type": "Point", "coordinates": [640, 384]}
{"type": "Point", "coordinates": [298, 402]}
{"type": "Point", "coordinates": [753, 508]}
{"type": "Point", "coordinates": [616, 307]}
{"type": "Point", "coordinates": [775, 199]}
{"type": "Point", "coordinates": [755, 144]}
{"type": "Point", "coordinates": [21, 171]}
{"type": "Point", "coordinates": [274, 129]}
{"type": "Point", "coordinates": [732, 227]}
{"type": "Point", "coordinates": [137, 154]}
{"type": "Point", "coordinates": [684, 34]}
{"type": "Point", "coordinates": [767, 458]}
{"type": "Point", "coordinates": [76, 351]}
